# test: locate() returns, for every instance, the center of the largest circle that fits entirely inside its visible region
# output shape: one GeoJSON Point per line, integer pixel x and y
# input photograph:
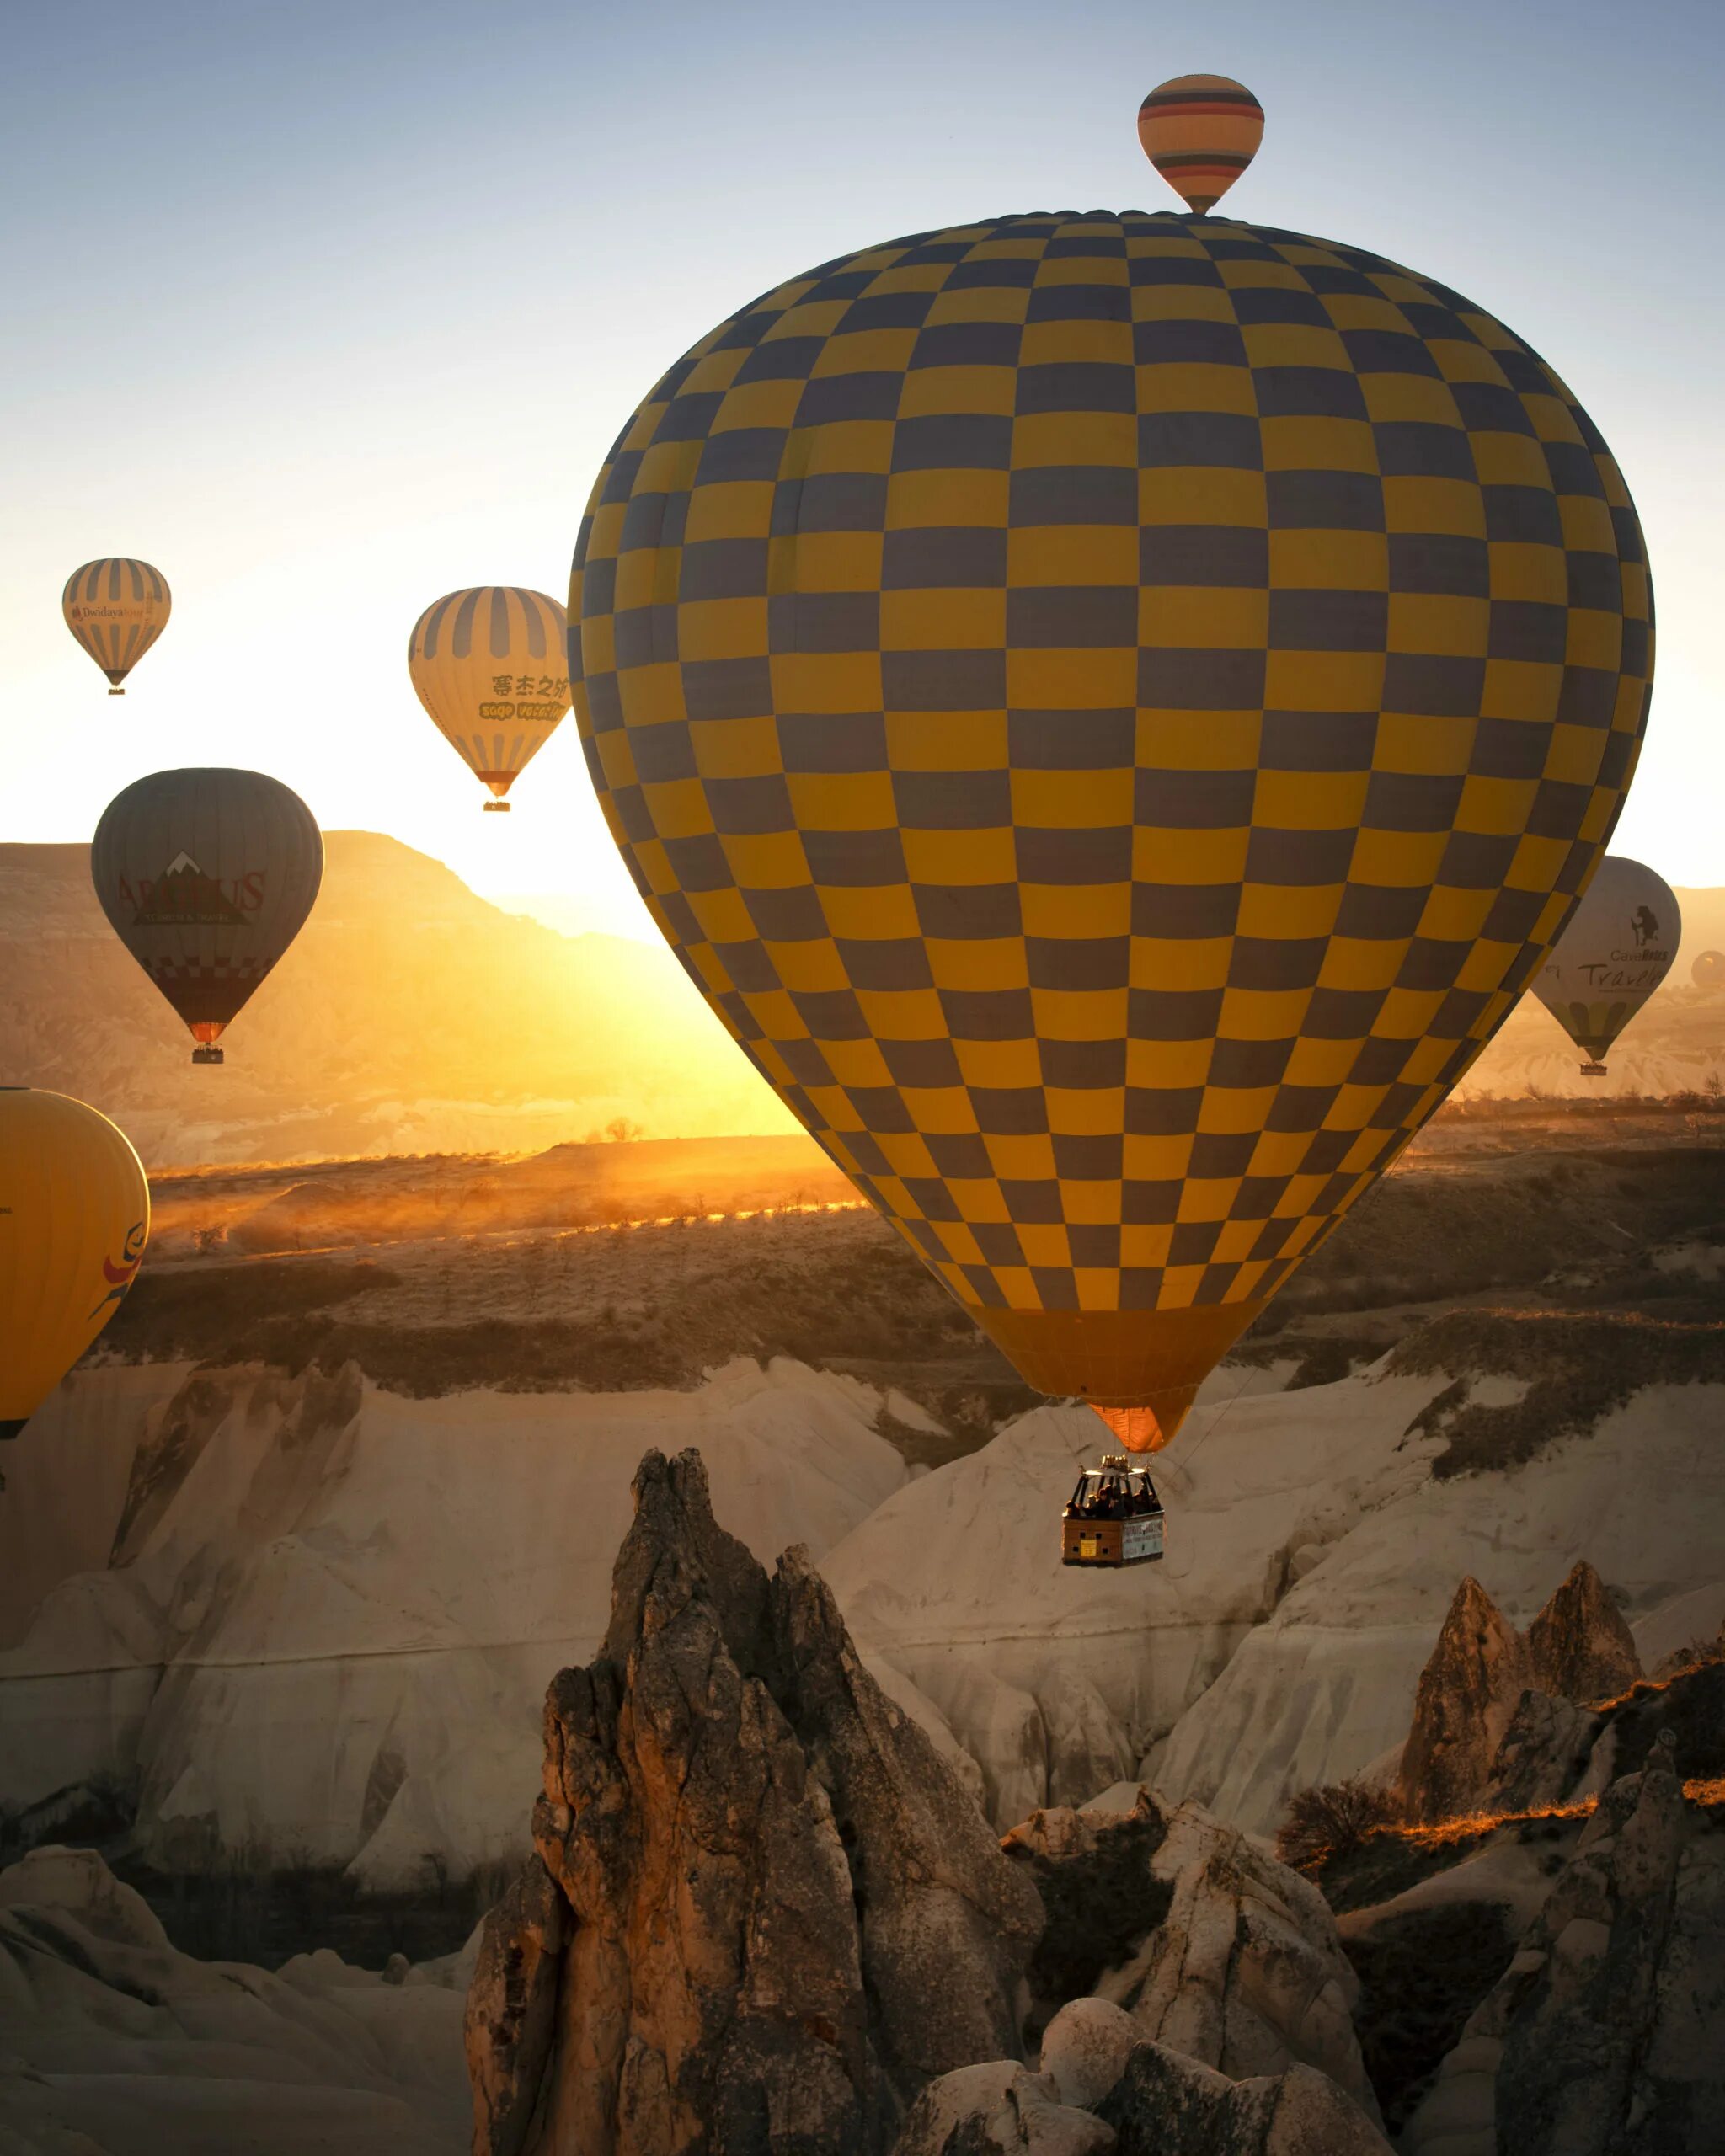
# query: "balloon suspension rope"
{"type": "Point", "coordinates": [1215, 1422]}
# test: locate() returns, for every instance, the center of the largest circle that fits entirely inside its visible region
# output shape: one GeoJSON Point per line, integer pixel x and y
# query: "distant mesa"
{"type": "Point", "coordinates": [410, 1016]}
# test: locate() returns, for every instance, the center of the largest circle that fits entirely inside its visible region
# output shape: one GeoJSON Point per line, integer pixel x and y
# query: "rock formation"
{"type": "Point", "coordinates": [1242, 1968]}
{"type": "Point", "coordinates": [1158, 2102]}
{"type": "Point", "coordinates": [1546, 1755]}
{"type": "Point", "coordinates": [1579, 1648]}
{"type": "Point", "coordinates": [1581, 1992]}
{"type": "Point", "coordinates": [1498, 1719]}
{"type": "Point", "coordinates": [1166, 2104]}
{"type": "Point", "coordinates": [782, 1913]}
{"type": "Point", "coordinates": [1085, 2049]}
{"type": "Point", "coordinates": [999, 2110]}
{"type": "Point", "coordinates": [1467, 1692]}
{"type": "Point", "coordinates": [511, 2022]}
{"type": "Point", "coordinates": [1606, 2036]}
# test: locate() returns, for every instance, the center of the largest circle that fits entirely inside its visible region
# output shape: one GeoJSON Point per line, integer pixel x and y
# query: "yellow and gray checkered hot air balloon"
{"type": "Point", "coordinates": [74, 1217]}
{"type": "Point", "coordinates": [1111, 711]}
{"type": "Point", "coordinates": [491, 666]}
{"type": "Point", "coordinates": [116, 608]}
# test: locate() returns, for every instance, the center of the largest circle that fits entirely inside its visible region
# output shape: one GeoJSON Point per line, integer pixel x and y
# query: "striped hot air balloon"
{"type": "Point", "coordinates": [1200, 132]}
{"type": "Point", "coordinates": [491, 666]}
{"type": "Point", "coordinates": [116, 608]}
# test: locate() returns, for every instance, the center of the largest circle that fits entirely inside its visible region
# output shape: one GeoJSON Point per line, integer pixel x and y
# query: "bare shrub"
{"type": "Point", "coordinates": [1331, 1819]}
{"type": "Point", "coordinates": [1699, 1654]}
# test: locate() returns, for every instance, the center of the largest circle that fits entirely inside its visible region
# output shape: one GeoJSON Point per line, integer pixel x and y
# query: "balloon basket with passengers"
{"type": "Point", "coordinates": [1114, 1517]}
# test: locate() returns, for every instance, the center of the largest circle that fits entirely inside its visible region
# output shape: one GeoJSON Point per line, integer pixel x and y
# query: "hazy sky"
{"type": "Point", "coordinates": [327, 308]}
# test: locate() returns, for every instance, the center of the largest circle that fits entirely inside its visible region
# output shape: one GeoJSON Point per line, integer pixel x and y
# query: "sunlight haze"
{"type": "Point", "coordinates": [399, 274]}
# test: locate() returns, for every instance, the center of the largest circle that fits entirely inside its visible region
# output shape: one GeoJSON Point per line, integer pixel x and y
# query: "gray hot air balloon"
{"type": "Point", "coordinates": [207, 877]}
{"type": "Point", "coordinates": [1616, 949]}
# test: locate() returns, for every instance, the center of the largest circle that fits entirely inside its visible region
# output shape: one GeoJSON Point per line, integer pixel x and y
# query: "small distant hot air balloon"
{"type": "Point", "coordinates": [1200, 132]}
{"type": "Point", "coordinates": [491, 666]}
{"type": "Point", "coordinates": [1708, 971]}
{"type": "Point", "coordinates": [207, 877]}
{"type": "Point", "coordinates": [1616, 949]}
{"type": "Point", "coordinates": [116, 609]}
{"type": "Point", "coordinates": [74, 1217]}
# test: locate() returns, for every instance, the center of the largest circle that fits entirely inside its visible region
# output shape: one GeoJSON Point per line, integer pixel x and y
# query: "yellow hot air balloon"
{"type": "Point", "coordinates": [116, 608]}
{"type": "Point", "coordinates": [74, 1217]}
{"type": "Point", "coordinates": [491, 666]}
{"type": "Point", "coordinates": [1116, 714]}
{"type": "Point", "coordinates": [1200, 132]}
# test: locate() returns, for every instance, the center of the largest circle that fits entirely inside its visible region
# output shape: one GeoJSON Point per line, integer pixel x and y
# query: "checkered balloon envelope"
{"type": "Point", "coordinates": [1111, 711]}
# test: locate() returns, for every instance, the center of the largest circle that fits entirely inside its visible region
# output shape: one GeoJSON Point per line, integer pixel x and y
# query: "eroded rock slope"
{"type": "Point", "coordinates": [766, 1912]}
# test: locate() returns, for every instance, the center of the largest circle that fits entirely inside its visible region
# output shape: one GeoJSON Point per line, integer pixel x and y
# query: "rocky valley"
{"type": "Point", "coordinates": [760, 1910]}
{"type": "Point", "coordinates": [1381, 1812]}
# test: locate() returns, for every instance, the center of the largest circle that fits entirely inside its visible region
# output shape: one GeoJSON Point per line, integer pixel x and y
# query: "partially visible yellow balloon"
{"type": "Point", "coordinates": [116, 608]}
{"type": "Point", "coordinates": [74, 1217]}
{"type": "Point", "coordinates": [491, 666]}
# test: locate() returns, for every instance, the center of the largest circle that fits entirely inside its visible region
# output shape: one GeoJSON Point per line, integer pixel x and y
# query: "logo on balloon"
{"type": "Point", "coordinates": [183, 896]}
{"type": "Point", "coordinates": [119, 1274]}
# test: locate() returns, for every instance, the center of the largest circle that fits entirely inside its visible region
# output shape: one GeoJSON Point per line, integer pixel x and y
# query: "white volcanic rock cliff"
{"type": "Point", "coordinates": [1311, 1558]}
{"type": "Point", "coordinates": [116, 2045]}
{"type": "Point", "coordinates": [314, 1619]}
{"type": "Point", "coordinates": [312, 1616]}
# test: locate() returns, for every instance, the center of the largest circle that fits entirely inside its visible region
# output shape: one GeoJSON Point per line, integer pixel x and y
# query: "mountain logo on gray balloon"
{"type": "Point", "coordinates": [1644, 926]}
{"type": "Point", "coordinates": [184, 897]}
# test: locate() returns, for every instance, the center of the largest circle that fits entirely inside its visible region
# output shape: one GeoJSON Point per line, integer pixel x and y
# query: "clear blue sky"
{"type": "Point", "coordinates": [327, 308]}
